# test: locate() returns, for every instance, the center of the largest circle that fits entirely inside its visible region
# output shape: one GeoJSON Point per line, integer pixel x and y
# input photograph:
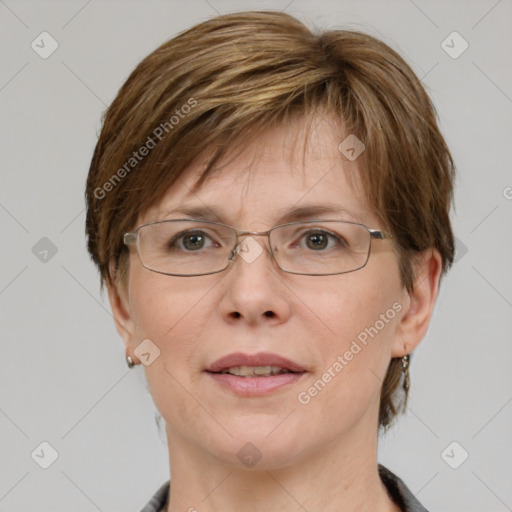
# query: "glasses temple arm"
{"type": "Point", "coordinates": [380, 235]}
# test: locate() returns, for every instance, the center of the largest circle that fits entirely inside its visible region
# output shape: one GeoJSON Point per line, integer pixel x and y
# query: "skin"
{"type": "Point", "coordinates": [321, 455]}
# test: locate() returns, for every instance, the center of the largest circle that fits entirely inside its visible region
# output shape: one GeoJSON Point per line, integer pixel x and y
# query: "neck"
{"type": "Point", "coordinates": [339, 476]}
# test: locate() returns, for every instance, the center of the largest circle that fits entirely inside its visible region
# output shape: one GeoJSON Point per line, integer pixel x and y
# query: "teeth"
{"type": "Point", "coordinates": [251, 371]}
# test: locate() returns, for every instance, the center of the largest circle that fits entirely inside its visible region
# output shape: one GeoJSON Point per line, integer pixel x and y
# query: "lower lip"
{"type": "Point", "coordinates": [255, 386]}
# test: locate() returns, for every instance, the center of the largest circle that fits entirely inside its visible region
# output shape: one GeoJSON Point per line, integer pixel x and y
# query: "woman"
{"type": "Point", "coordinates": [269, 209]}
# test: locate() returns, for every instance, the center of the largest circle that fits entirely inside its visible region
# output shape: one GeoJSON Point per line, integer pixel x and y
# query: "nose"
{"type": "Point", "coordinates": [253, 290]}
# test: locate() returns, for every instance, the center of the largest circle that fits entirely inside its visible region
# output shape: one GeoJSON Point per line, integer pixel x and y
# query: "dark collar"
{"type": "Point", "coordinates": [396, 488]}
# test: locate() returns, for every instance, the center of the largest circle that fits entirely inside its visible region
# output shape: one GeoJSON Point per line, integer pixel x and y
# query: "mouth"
{"type": "Point", "coordinates": [256, 374]}
{"type": "Point", "coordinates": [255, 371]}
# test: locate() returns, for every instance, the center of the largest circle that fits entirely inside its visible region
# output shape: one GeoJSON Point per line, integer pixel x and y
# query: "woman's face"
{"type": "Point", "coordinates": [339, 330]}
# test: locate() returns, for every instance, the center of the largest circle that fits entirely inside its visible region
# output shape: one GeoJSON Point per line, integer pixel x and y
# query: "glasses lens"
{"type": "Point", "coordinates": [182, 247]}
{"type": "Point", "coordinates": [321, 248]}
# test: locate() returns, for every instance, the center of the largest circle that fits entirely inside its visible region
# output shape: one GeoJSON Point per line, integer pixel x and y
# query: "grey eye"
{"type": "Point", "coordinates": [189, 240]}
{"type": "Point", "coordinates": [194, 241]}
{"type": "Point", "coordinates": [317, 241]}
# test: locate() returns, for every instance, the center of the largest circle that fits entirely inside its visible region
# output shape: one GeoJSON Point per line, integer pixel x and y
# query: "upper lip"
{"type": "Point", "coordinates": [261, 359]}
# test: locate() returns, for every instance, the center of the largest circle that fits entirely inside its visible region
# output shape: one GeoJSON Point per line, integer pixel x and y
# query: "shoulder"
{"type": "Point", "coordinates": [399, 492]}
{"type": "Point", "coordinates": [159, 500]}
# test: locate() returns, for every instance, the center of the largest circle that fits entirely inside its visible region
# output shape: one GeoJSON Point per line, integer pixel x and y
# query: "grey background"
{"type": "Point", "coordinates": [63, 377]}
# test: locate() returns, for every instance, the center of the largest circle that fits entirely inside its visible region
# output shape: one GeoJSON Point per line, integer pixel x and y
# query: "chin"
{"type": "Point", "coordinates": [260, 446]}
{"type": "Point", "coordinates": [259, 456]}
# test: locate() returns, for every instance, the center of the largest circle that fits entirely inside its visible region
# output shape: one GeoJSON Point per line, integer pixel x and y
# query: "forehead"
{"type": "Point", "coordinates": [288, 173]}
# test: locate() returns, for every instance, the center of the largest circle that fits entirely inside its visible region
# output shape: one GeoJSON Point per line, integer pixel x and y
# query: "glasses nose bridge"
{"type": "Point", "coordinates": [246, 233]}
{"type": "Point", "coordinates": [254, 233]}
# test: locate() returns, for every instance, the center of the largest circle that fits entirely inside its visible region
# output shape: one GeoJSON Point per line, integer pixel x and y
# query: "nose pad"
{"type": "Point", "coordinates": [233, 253]}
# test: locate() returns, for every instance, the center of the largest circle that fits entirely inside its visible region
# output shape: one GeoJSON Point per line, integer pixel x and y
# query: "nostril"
{"type": "Point", "coordinates": [271, 314]}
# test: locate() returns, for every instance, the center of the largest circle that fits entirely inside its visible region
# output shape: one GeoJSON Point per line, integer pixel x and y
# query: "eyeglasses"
{"type": "Point", "coordinates": [187, 247]}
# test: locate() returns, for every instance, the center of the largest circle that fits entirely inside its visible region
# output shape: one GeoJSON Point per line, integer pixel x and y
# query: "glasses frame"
{"type": "Point", "coordinates": [132, 237]}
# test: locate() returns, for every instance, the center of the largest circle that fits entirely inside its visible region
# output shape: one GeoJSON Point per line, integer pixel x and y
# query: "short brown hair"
{"type": "Point", "coordinates": [244, 72]}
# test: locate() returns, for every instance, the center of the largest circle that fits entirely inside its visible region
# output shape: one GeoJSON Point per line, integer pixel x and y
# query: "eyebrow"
{"type": "Point", "coordinates": [291, 214]}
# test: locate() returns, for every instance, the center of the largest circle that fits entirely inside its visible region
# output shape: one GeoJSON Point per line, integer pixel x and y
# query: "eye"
{"type": "Point", "coordinates": [189, 241]}
{"type": "Point", "coordinates": [319, 240]}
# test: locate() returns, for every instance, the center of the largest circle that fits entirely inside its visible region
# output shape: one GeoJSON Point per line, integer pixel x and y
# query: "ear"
{"type": "Point", "coordinates": [418, 304]}
{"type": "Point", "coordinates": [119, 302]}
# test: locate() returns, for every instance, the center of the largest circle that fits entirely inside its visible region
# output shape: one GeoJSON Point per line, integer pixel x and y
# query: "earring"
{"type": "Point", "coordinates": [405, 372]}
{"type": "Point", "coordinates": [129, 362]}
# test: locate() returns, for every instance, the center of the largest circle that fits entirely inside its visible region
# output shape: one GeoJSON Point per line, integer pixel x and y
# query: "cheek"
{"type": "Point", "coordinates": [354, 363]}
{"type": "Point", "coordinates": [355, 306]}
{"type": "Point", "coordinates": [173, 313]}
{"type": "Point", "coordinates": [362, 314]}
{"type": "Point", "coordinates": [165, 308]}
{"type": "Point", "coordinates": [164, 311]}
